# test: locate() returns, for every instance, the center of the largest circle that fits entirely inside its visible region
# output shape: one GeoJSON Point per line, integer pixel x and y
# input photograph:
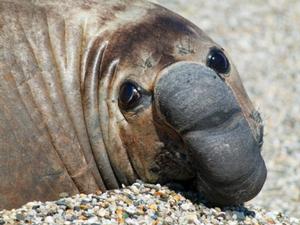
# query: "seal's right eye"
{"type": "Point", "coordinates": [129, 95]}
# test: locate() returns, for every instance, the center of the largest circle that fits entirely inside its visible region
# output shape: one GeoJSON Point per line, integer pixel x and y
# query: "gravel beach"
{"type": "Point", "coordinates": [263, 39]}
{"type": "Point", "coordinates": [138, 204]}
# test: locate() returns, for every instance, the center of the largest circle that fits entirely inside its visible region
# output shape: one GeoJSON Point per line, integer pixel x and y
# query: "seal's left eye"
{"type": "Point", "coordinates": [129, 95]}
{"type": "Point", "coordinates": [217, 60]}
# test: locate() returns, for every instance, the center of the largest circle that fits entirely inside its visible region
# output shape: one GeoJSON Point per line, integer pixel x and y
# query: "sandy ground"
{"type": "Point", "coordinates": [263, 38]}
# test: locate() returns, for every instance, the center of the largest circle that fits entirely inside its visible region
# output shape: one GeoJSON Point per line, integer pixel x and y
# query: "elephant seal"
{"type": "Point", "coordinates": [95, 94]}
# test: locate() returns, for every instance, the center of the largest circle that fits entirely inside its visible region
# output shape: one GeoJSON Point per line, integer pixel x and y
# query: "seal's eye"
{"type": "Point", "coordinates": [129, 95]}
{"type": "Point", "coordinates": [217, 60]}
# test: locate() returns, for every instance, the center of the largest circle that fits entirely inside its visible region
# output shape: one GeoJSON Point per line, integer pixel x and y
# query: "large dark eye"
{"type": "Point", "coordinates": [129, 95]}
{"type": "Point", "coordinates": [217, 60]}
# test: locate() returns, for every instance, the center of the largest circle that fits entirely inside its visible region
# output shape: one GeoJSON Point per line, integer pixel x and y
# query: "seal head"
{"type": "Point", "coordinates": [182, 112]}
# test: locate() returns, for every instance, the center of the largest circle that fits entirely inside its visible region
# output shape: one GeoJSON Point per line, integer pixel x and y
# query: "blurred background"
{"type": "Point", "coordinates": [263, 39]}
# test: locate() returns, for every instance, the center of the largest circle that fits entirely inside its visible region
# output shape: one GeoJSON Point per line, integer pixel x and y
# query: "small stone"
{"type": "Point", "coordinates": [102, 212]}
{"type": "Point", "coordinates": [185, 206]}
{"type": "Point", "coordinates": [99, 192]}
{"type": "Point", "coordinates": [222, 215]}
{"type": "Point", "coordinates": [177, 198]}
{"type": "Point", "coordinates": [81, 217]}
{"type": "Point", "coordinates": [61, 202]}
{"type": "Point", "coordinates": [34, 207]}
{"type": "Point", "coordinates": [153, 207]}
{"type": "Point", "coordinates": [191, 218]}
{"type": "Point", "coordinates": [134, 189]}
{"type": "Point", "coordinates": [239, 215]}
{"type": "Point", "coordinates": [76, 208]}
{"type": "Point", "coordinates": [93, 219]}
{"type": "Point", "coordinates": [49, 219]}
{"type": "Point", "coordinates": [64, 195]}
{"type": "Point", "coordinates": [83, 207]}
{"type": "Point", "coordinates": [20, 217]}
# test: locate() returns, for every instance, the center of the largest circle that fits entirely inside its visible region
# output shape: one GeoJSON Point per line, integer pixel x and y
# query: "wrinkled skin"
{"type": "Point", "coordinates": [62, 122]}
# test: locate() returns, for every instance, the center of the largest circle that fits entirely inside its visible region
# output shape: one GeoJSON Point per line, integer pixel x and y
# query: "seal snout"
{"type": "Point", "coordinates": [225, 154]}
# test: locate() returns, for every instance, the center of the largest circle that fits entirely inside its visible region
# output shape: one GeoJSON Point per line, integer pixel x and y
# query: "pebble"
{"type": "Point", "coordinates": [146, 206]}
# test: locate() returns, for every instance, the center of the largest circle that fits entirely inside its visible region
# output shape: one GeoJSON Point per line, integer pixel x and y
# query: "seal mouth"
{"type": "Point", "coordinates": [203, 110]}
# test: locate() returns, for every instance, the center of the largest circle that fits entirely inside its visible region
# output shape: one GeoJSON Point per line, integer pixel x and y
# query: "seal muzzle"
{"type": "Point", "coordinates": [197, 103]}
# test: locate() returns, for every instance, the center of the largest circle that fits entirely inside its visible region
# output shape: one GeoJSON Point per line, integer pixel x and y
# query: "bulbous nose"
{"type": "Point", "coordinates": [190, 94]}
{"type": "Point", "coordinates": [203, 109]}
